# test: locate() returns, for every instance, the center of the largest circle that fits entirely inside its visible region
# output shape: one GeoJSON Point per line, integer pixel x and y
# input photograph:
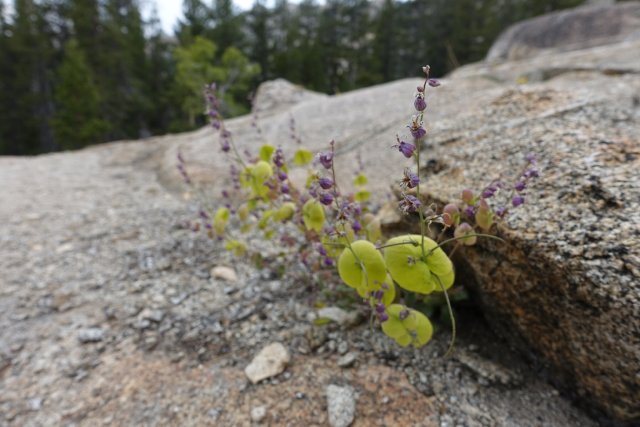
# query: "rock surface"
{"type": "Point", "coordinates": [101, 237]}
{"type": "Point", "coordinates": [128, 251]}
{"type": "Point", "coordinates": [565, 287]}
{"type": "Point", "coordinates": [568, 30]}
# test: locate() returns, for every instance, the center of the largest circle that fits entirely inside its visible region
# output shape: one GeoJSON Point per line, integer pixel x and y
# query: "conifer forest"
{"type": "Point", "coordinates": [80, 72]}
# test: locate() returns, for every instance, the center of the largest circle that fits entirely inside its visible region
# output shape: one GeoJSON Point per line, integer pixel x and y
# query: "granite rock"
{"type": "Point", "coordinates": [568, 30]}
{"type": "Point", "coordinates": [564, 288]}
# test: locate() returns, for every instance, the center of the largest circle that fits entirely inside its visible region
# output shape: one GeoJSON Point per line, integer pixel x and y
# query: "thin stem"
{"type": "Point", "coordinates": [455, 248]}
{"type": "Point", "coordinates": [453, 239]}
{"type": "Point", "coordinates": [418, 194]}
{"type": "Point", "coordinates": [412, 243]}
{"type": "Point", "coordinates": [451, 316]}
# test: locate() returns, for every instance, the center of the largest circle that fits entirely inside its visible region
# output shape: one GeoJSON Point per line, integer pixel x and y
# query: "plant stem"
{"type": "Point", "coordinates": [451, 316]}
{"type": "Point", "coordinates": [453, 239]}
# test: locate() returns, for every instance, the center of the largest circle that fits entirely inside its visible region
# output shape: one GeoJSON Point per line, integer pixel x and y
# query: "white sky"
{"type": "Point", "coordinates": [171, 10]}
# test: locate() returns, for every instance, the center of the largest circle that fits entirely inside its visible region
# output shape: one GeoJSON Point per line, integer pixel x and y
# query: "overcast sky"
{"type": "Point", "coordinates": [171, 10]}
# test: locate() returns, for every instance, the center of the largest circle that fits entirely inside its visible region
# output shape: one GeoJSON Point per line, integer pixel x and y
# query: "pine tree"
{"type": "Point", "coordinates": [77, 121]}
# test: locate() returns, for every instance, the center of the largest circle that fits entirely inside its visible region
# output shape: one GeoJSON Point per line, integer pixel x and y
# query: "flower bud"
{"type": "Point", "coordinates": [326, 199]}
{"type": "Point", "coordinates": [326, 159]}
{"type": "Point", "coordinates": [467, 196]}
{"type": "Point", "coordinates": [517, 200]}
{"type": "Point", "coordinates": [484, 216]}
{"type": "Point", "coordinates": [420, 104]}
{"type": "Point", "coordinates": [450, 214]}
{"type": "Point", "coordinates": [465, 229]}
{"type": "Point", "coordinates": [325, 183]}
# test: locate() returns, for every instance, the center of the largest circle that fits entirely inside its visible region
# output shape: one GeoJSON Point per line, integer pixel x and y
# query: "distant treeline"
{"type": "Point", "coordinates": [80, 72]}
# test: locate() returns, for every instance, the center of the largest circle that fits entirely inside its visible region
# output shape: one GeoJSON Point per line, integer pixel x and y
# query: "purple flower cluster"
{"type": "Point", "coordinates": [182, 169]}
{"type": "Point", "coordinates": [527, 175]}
{"type": "Point", "coordinates": [477, 206]}
{"type": "Point", "coordinates": [379, 307]}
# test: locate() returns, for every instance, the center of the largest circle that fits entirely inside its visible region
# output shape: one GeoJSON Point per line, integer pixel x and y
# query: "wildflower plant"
{"type": "Point", "coordinates": [342, 232]}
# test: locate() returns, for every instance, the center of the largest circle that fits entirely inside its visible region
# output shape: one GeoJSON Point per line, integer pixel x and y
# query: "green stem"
{"type": "Point", "coordinates": [453, 239]}
{"type": "Point", "coordinates": [412, 243]}
{"type": "Point", "coordinates": [451, 316]}
{"type": "Point", "coordinates": [418, 195]}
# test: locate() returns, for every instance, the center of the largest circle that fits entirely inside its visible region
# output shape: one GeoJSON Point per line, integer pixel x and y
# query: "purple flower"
{"type": "Point", "coordinates": [356, 226]}
{"type": "Point", "coordinates": [532, 173]}
{"type": "Point", "coordinates": [226, 146]}
{"type": "Point", "coordinates": [406, 149]}
{"type": "Point", "coordinates": [278, 158]}
{"type": "Point", "coordinates": [410, 179]}
{"type": "Point", "coordinates": [409, 203]}
{"type": "Point", "coordinates": [378, 294]}
{"type": "Point", "coordinates": [322, 251]}
{"type": "Point", "coordinates": [326, 199]}
{"type": "Point", "coordinates": [420, 104]}
{"type": "Point", "coordinates": [501, 211]}
{"type": "Point", "coordinates": [433, 83]}
{"type": "Point", "coordinates": [380, 308]}
{"type": "Point", "coordinates": [383, 317]}
{"type": "Point", "coordinates": [203, 214]}
{"type": "Point", "coordinates": [284, 189]}
{"type": "Point", "coordinates": [325, 183]}
{"type": "Point", "coordinates": [328, 262]}
{"type": "Point", "coordinates": [417, 131]}
{"type": "Point", "coordinates": [517, 200]}
{"type": "Point", "coordinates": [282, 175]}
{"type": "Point", "coordinates": [470, 211]}
{"type": "Point", "coordinates": [531, 158]}
{"type": "Point", "coordinates": [489, 192]}
{"type": "Point", "coordinates": [520, 185]}
{"type": "Point", "coordinates": [326, 159]}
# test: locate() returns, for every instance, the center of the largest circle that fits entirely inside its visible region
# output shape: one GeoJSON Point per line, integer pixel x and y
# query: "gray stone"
{"type": "Point", "coordinates": [341, 405]}
{"type": "Point", "coordinates": [152, 315]}
{"type": "Point", "coordinates": [269, 362]}
{"type": "Point", "coordinates": [258, 413]}
{"type": "Point", "coordinates": [347, 360]}
{"type": "Point", "coordinates": [90, 335]}
{"type": "Point", "coordinates": [227, 274]}
{"type": "Point", "coordinates": [338, 315]}
{"type": "Point", "coordinates": [490, 371]}
{"type": "Point", "coordinates": [568, 30]}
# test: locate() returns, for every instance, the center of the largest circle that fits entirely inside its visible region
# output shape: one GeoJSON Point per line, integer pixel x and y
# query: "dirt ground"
{"type": "Point", "coordinates": [109, 315]}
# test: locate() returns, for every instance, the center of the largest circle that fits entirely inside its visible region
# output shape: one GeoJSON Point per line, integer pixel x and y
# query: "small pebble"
{"type": "Point", "coordinates": [90, 335]}
{"type": "Point", "coordinates": [347, 360]}
{"type": "Point", "coordinates": [258, 413]}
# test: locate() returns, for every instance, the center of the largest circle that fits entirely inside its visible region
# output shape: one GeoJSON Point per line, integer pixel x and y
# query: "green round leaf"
{"type": "Point", "coordinates": [362, 267]}
{"type": "Point", "coordinates": [408, 268]}
{"type": "Point", "coordinates": [302, 157]}
{"type": "Point", "coordinates": [313, 215]}
{"type": "Point", "coordinates": [415, 328]}
{"type": "Point", "coordinates": [266, 151]}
